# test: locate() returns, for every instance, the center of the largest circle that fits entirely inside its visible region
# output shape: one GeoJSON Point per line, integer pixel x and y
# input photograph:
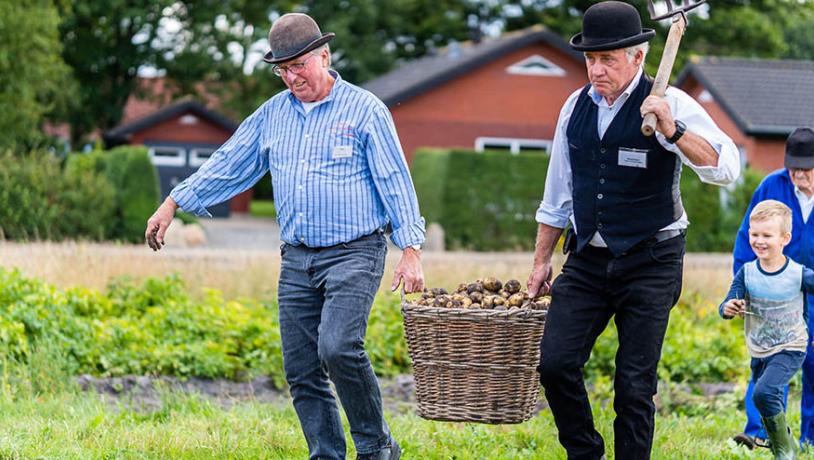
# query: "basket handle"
{"type": "Point", "coordinates": [403, 298]}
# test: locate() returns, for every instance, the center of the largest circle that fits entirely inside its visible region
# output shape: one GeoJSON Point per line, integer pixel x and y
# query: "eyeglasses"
{"type": "Point", "coordinates": [296, 69]}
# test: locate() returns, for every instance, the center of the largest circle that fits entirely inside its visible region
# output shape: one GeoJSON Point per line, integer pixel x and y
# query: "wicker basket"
{"type": "Point", "coordinates": [474, 365]}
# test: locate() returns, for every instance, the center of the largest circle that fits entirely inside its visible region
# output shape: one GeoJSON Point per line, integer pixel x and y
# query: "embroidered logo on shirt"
{"type": "Point", "coordinates": [343, 130]}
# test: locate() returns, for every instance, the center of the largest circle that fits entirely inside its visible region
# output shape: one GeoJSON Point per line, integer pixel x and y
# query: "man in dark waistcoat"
{"type": "Point", "coordinates": [620, 192]}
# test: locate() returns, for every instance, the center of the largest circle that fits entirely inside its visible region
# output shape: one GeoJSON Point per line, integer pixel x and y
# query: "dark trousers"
{"type": "Point", "coordinates": [638, 289]}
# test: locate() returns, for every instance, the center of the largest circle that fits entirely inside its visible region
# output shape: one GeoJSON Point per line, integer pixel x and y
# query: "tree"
{"type": "Point", "coordinates": [747, 28]}
{"type": "Point", "coordinates": [34, 81]}
{"type": "Point", "coordinates": [105, 42]}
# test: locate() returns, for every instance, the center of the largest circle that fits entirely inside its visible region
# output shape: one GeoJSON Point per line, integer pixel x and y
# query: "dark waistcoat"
{"type": "Point", "coordinates": [625, 185]}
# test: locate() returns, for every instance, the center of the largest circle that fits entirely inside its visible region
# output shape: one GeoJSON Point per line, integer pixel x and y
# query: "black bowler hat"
{"type": "Point", "coordinates": [800, 149]}
{"type": "Point", "coordinates": [610, 25]}
{"type": "Point", "coordinates": [293, 35]}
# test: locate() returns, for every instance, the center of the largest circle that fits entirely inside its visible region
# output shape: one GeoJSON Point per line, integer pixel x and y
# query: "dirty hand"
{"type": "Point", "coordinates": [539, 282]}
{"type": "Point", "coordinates": [659, 107]}
{"type": "Point", "coordinates": [734, 307]}
{"type": "Point", "coordinates": [158, 223]}
{"type": "Point", "coordinates": [409, 270]}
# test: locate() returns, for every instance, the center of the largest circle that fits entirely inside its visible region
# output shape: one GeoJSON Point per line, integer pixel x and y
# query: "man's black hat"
{"type": "Point", "coordinates": [610, 25]}
{"type": "Point", "coordinates": [800, 149]}
{"type": "Point", "coordinates": [293, 35]}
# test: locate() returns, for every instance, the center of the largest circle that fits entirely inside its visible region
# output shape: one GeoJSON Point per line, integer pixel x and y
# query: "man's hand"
{"type": "Point", "coordinates": [409, 270]}
{"type": "Point", "coordinates": [734, 307]}
{"type": "Point", "coordinates": [659, 107]}
{"type": "Point", "coordinates": [539, 282]}
{"type": "Point", "coordinates": [158, 223]}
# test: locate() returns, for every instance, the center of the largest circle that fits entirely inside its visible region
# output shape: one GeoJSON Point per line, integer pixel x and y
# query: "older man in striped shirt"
{"type": "Point", "coordinates": [340, 178]}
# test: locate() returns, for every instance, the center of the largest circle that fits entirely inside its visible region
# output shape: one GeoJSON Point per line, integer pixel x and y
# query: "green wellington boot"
{"type": "Point", "coordinates": [782, 443]}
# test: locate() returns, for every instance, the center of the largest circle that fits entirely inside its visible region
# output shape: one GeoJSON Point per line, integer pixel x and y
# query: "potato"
{"type": "Point", "coordinates": [492, 284]}
{"type": "Point", "coordinates": [512, 286]}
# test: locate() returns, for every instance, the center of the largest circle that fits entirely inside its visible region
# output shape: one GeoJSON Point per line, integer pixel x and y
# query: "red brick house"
{"type": "Point", "coordinates": [757, 102]}
{"type": "Point", "coordinates": [502, 93]}
{"type": "Point", "coordinates": [180, 137]}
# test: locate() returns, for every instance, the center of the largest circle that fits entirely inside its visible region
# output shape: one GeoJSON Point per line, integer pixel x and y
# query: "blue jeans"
{"type": "Point", "coordinates": [754, 427]}
{"type": "Point", "coordinates": [770, 376]}
{"type": "Point", "coordinates": [325, 297]}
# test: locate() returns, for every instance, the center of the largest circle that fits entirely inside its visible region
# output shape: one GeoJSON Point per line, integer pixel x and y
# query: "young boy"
{"type": "Point", "coordinates": [768, 294]}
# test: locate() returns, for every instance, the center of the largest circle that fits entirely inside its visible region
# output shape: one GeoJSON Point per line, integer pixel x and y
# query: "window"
{"type": "Point", "coordinates": [198, 156]}
{"type": "Point", "coordinates": [513, 145]}
{"type": "Point", "coordinates": [168, 156]}
{"type": "Point", "coordinates": [188, 119]}
{"type": "Point", "coordinates": [536, 65]}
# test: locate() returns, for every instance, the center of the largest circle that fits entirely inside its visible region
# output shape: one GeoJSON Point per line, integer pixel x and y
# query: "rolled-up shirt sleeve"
{"type": "Point", "coordinates": [234, 167]}
{"type": "Point", "coordinates": [698, 121]}
{"type": "Point", "coordinates": [557, 205]}
{"type": "Point", "coordinates": [392, 180]}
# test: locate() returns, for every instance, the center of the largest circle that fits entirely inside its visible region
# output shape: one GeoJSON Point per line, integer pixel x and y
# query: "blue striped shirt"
{"type": "Point", "coordinates": [338, 171]}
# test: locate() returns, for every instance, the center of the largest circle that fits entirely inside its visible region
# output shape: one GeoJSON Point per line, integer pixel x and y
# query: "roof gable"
{"type": "Point", "coordinates": [167, 113]}
{"type": "Point", "coordinates": [762, 96]}
{"type": "Point", "coordinates": [421, 75]}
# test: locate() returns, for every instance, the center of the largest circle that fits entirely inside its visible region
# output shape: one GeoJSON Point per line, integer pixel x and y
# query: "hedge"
{"type": "Point", "coordinates": [486, 201]}
{"type": "Point", "coordinates": [103, 195]}
{"type": "Point", "coordinates": [38, 200]}
{"type": "Point", "coordinates": [134, 181]}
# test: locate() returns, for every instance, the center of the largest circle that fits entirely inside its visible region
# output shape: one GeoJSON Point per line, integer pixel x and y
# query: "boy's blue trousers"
{"type": "Point", "coordinates": [754, 427]}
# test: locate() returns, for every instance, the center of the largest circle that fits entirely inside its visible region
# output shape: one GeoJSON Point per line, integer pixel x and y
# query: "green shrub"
{"type": "Point", "coordinates": [487, 201]}
{"type": "Point", "coordinates": [156, 328]}
{"type": "Point", "coordinates": [86, 204]}
{"type": "Point", "coordinates": [134, 184]}
{"type": "Point", "coordinates": [135, 180]}
{"type": "Point", "coordinates": [28, 184]}
{"type": "Point", "coordinates": [484, 201]}
{"type": "Point", "coordinates": [429, 173]}
{"type": "Point", "coordinates": [713, 222]}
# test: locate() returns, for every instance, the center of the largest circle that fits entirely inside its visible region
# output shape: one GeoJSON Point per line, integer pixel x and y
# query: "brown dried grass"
{"type": "Point", "coordinates": [254, 274]}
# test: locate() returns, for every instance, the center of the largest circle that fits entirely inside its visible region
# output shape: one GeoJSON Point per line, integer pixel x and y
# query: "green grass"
{"type": "Point", "coordinates": [262, 208]}
{"type": "Point", "coordinates": [80, 426]}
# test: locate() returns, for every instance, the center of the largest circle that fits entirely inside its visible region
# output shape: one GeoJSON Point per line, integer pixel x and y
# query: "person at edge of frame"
{"type": "Point", "coordinates": [619, 189]}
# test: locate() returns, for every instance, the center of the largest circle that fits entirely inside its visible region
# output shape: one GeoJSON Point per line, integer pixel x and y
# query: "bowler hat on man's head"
{"type": "Point", "coordinates": [293, 35]}
{"type": "Point", "coordinates": [610, 25]}
{"type": "Point", "coordinates": [800, 149]}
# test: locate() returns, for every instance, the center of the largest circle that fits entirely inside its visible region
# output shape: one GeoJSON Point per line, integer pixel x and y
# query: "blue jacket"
{"type": "Point", "coordinates": [778, 186]}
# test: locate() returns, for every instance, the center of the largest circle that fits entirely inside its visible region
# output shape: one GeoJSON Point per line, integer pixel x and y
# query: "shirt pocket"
{"type": "Point", "coordinates": [341, 153]}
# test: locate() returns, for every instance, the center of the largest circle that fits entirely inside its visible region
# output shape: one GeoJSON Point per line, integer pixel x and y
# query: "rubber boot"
{"type": "Point", "coordinates": [781, 442]}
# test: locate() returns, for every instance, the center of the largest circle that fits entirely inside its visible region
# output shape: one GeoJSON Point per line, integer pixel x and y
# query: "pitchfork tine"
{"type": "Point", "coordinates": [686, 5]}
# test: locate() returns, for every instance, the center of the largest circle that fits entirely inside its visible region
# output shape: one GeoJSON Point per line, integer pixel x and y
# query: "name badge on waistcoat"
{"type": "Point", "coordinates": [633, 158]}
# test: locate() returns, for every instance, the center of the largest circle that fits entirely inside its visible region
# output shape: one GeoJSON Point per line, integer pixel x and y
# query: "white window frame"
{"type": "Point", "coordinates": [195, 160]}
{"type": "Point", "coordinates": [180, 159]}
{"type": "Point", "coordinates": [515, 145]}
{"type": "Point", "coordinates": [549, 70]}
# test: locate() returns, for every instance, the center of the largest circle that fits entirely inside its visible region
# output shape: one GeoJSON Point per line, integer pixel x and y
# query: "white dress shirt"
{"type": "Point", "coordinates": [556, 207]}
{"type": "Point", "coordinates": [806, 203]}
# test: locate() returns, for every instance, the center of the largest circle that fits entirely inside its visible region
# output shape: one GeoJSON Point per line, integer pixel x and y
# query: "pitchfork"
{"type": "Point", "coordinates": [679, 18]}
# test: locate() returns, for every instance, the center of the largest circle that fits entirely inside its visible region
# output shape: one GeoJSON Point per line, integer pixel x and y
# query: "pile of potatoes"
{"type": "Point", "coordinates": [488, 294]}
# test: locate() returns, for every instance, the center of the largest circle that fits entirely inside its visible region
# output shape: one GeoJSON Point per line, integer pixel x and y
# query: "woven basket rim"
{"type": "Point", "coordinates": [413, 308]}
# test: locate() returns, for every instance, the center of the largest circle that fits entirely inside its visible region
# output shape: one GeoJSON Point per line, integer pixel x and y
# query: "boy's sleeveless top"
{"type": "Point", "coordinates": [774, 305]}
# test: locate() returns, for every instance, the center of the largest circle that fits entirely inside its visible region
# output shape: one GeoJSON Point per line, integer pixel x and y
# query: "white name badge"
{"type": "Point", "coordinates": [342, 151]}
{"type": "Point", "coordinates": [633, 158]}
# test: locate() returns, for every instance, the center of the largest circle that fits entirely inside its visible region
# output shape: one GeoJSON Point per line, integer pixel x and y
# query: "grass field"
{"type": "Point", "coordinates": [45, 416]}
{"type": "Point", "coordinates": [80, 426]}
